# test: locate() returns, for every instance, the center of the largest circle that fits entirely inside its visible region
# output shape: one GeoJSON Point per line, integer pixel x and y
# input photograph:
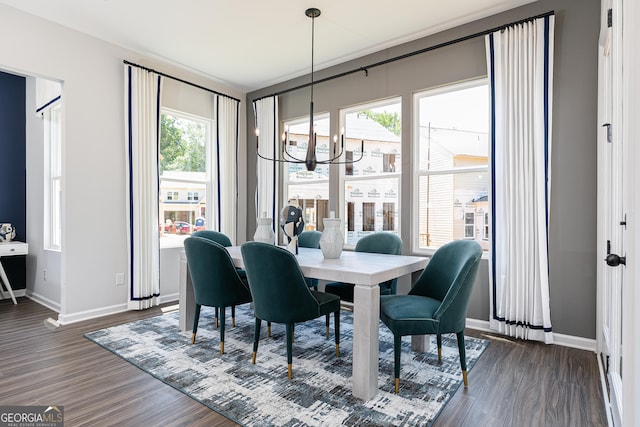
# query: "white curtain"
{"type": "Point", "coordinates": [142, 122]}
{"type": "Point", "coordinates": [225, 181]}
{"type": "Point", "coordinates": [520, 66]}
{"type": "Point", "coordinates": [266, 114]}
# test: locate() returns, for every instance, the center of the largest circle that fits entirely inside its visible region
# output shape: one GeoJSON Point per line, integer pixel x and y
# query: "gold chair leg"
{"type": "Point", "coordinates": [268, 330]}
{"type": "Point", "coordinates": [327, 332]}
{"type": "Point", "coordinates": [397, 385]}
{"type": "Point", "coordinates": [253, 358]}
{"type": "Point", "coordinates": [289, 371]}
{"type": "Point", "coordinates": [337, 350]}
{"type": "Point", "coordinates": [221, 347]}
{"type": "Point", "coordinates": [193, 338]}
{"type": "Point", "coordinates": [465, 379]}
{"type": "Point", "coordinates": [216, 323]}
{"type": "Point", "coordinates": [233, 322]}
{"type": "Point", "coordinates": [439, 354]}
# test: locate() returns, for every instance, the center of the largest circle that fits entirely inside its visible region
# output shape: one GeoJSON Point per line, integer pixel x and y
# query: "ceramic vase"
{"type": "Point", "coordinates": [264, 233]}
{"type": "Point", "coordinates": [332, 239]}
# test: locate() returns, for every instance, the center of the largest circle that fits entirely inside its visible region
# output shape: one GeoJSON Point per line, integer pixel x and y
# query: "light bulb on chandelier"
{"type": "Point", "coordinates": [311, 159]}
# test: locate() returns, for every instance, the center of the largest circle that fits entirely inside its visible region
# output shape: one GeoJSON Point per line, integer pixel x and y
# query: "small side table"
{"type": "Point", "coordinates": [10, 249]}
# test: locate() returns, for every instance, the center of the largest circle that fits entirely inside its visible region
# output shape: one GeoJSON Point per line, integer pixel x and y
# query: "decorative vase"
{"type": "Point", "coordinates": [264, 233]}
{"type": "Point", "coordinates": [332, 239]}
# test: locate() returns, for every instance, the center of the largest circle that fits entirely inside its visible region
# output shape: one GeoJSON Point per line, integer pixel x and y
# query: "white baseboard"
{"type": "Point", "coordinates": [558, 339]}
{"type": "Point", "coordinates": [65, 319]}
{"type": "Point", "coordinates": [50, 304]}
{"type": "Point", "coordinates": [16, 293]}
{"type": "Point", "coordinates": [105, 311]}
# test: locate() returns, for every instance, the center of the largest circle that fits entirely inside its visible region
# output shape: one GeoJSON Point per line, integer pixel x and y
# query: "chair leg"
{"type": "Point", "coordinates": [336, 324]}
{"type": "Point", "coordinates": [439, 342]}
{"type": "Point", "coordinates": [196, 318]}
{"type": "Point", "coordinates": [289, 328]}
{"type": "Point", "coordinates": [222, 324]}
{"type": "Point", "coordinates": [397, 341]}
{"type": "Point", "coordinates": [326, 333]}
{"type": "Point", "coordinates": [463, 357]}
{"type": "Point", "coordinates": [256, 339]}
{"type": "Point", "coordinates": [216, 317]}
{"type": "Point", "coordinates": [233, 316]}
{"type": "Point", "coordinates": [269, 329]}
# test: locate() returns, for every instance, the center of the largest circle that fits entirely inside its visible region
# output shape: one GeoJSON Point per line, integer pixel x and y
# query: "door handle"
{"type": "Point", "coordinates": [614, 260]}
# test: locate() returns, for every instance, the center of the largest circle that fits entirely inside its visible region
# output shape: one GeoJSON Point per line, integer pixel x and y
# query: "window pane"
{"type": "Point", "coordinates": [454, 129]}
{"type": "Point", "coordinates": [311, 189]}
{"type": "Point", "coordinates": [453, 165]}
{"type": "Point", "coordinates": [371, 177]}
{"type": "Point", "coordinates": [183, 173]}
{"type": "Point", "coordinates": [451, 207]}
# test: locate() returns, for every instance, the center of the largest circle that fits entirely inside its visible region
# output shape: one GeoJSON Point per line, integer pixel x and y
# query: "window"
{"type": "Point", "coordinates": [311, 189]}
{"type": "Point", "coordinates": [184, 142]}
{"type": "Point", "coordinates": [451, 164]}
{"type": "Point", "coordinates": [371, 185]}
{"type": "Point", "coordinates": [53, 194]}
{"type": "Point", "coordinates": [469, 224]}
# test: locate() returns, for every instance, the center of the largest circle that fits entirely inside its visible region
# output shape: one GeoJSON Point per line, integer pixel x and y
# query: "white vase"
{"type": "Point", "coordinates": [332, 239]}
{"type": "Point", "coordinates": [264, 233]}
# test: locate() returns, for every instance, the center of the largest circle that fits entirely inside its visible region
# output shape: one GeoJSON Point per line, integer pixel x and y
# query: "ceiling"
{"type": "Point", "coordinates": [250, 44]}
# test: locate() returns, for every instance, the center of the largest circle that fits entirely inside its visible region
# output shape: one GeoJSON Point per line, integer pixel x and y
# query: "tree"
{"type": "Point", "coordinates": [391, 121]}
{"type": "Point", "coordinates": [182, 145]}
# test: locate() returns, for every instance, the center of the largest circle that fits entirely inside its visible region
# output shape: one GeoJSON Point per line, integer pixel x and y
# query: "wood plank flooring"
{"type": "Point", "coordinates": [514, 383]}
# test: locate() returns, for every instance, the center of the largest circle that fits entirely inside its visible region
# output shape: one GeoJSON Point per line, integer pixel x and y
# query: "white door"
{"type": "Point", "coordinates": [619, 209]}
{"type": "Point", "coordinates": [611, 205]}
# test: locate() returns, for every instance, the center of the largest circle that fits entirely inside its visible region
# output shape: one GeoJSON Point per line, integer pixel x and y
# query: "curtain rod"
{"type": "Point", "coordinates": [179, 79]}
{"type": "Point", "coordinates": [410, 54]}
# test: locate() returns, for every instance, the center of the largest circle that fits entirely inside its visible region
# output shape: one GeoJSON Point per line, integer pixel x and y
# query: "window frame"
{"type": "Point", "coordinates": [210, 170]}
{"type": "Point", "coordinates": [53, 175]}
{"type": "Point", "coordinates": [417, 173]}
{"type": "Point", "coordinates": [346, 173]}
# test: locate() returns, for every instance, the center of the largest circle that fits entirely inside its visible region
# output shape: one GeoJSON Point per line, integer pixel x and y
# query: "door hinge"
{"type": "Point", "coordinates": [610, 18]}
{"type": "Point", "coordinates": [609, 131]}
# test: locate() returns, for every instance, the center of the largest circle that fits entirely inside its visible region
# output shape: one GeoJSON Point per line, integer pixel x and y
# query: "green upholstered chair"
{"type": "Point", "coordinates": [437, 303]}
{"type": "Point", "coordinates": [381, 243]}
{"type": "Point", "coordinates": [310, 239]}
{"type": "Point", "coordinates": [215, 281]}
{"type": "Point", "coordinates": [223, 240]}
{"type": "Point", "coordinates": [280, 294]}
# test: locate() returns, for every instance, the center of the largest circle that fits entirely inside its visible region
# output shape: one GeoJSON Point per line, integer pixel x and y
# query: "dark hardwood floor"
{"type": "Point", "coordinates": [514, 383]}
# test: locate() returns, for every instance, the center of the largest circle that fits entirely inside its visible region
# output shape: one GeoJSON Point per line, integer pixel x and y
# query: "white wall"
{"type": "Point", "coordinates": [94, 234]}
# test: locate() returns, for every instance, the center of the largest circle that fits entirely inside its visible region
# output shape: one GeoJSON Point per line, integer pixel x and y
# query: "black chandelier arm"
{"type": "Point", "coordinates": [333, 162]}
{"type": "Point", "coordinates": [279, 160]}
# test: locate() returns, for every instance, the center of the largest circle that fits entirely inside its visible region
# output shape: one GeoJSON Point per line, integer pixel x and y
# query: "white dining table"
{"type": "Point", "coordinates": [365, 270]}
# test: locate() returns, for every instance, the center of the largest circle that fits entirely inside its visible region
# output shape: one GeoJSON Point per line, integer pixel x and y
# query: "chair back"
{"type": "Point", "coordinates": [449, 278]}
{"type": "Point", "coordinates": [309, 239]}
{"type": "Point", "coordinates": [215, 236]}
{"type": "Point", "coordinates": [214, 277]}
{"type": "Point", "coordinates": [382, 243]}
{"type": "Point", "coordinates": [277, 284]}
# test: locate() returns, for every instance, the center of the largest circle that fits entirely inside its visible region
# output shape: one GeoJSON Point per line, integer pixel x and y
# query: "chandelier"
{"type": "Point", "coordinates": [311, 160]}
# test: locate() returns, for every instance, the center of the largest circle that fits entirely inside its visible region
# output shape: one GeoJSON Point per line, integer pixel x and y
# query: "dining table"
{"type": "Point", "coordinates": [365, 270]}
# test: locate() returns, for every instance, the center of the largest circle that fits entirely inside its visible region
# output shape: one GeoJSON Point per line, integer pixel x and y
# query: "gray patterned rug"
{"type": "Point", "coordinates": [261, 395]}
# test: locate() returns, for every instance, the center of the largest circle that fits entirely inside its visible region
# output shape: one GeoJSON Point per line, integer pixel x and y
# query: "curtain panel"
{"type": "Point", "coordinates": [142, 128]}
{"type": "Point", "coordinates": [520, 66]}
{"type": "Point", "coordinates": [266, 114]}
{"type": "Point", "coordinates": [225, 158]}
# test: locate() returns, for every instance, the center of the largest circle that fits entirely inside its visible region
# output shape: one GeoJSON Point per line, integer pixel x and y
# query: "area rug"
{"type": "Point", "coordinates": [319, 393]}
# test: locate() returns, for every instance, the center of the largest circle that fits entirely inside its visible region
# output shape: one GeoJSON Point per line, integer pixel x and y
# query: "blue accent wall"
{"type": "Point", "coordinates": [13, 176]}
